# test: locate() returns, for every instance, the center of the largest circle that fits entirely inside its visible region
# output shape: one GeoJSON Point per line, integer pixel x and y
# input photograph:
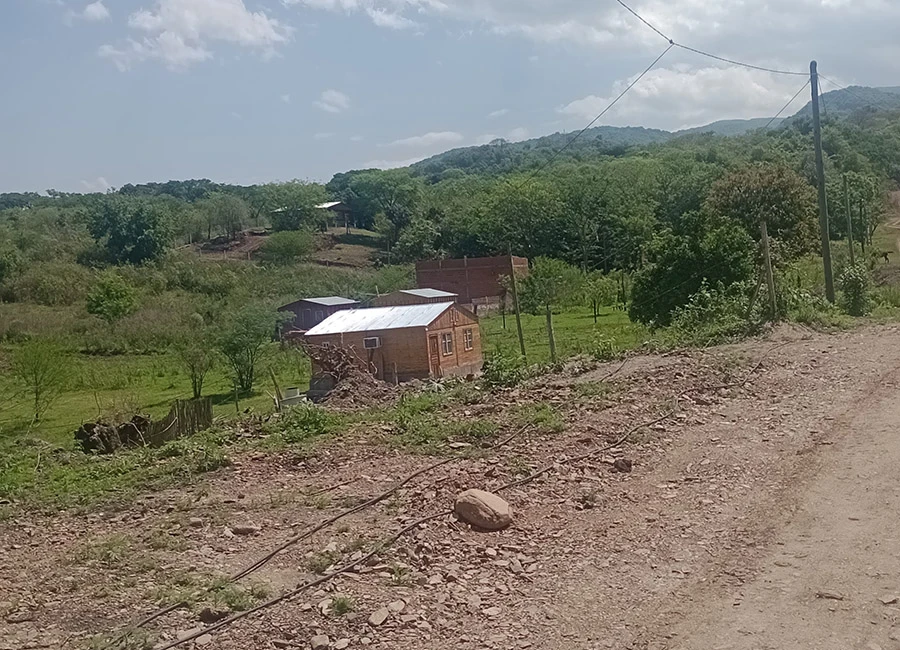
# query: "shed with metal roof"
{"type": "Point", "coordinates": [402, 342]}
{"type": "Point", "coordinates": [415, 297]}
{"type": "Point", "coordinates": [309, 312]}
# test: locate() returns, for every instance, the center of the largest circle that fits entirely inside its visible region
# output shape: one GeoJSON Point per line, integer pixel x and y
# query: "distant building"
{"type": "Point", "coordinates": [476, 280]}
{"type": "Point", "coordinates": [401, 343]}
{"type": "Point", "coordinates": [309, 312]}
{"type": "Point", "coordinates": [340, 211]}
{"type": "Point", "coordinates": [414, 297]}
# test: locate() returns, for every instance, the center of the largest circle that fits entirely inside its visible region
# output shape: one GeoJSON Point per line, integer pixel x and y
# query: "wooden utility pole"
{"type": "Point", "coordinates": [820, 175]}
{"type": "Point", "coordinates": [849, 219]}
{"type": "Point", "coordinates": [770, 278]}
{"type": "Point", "coordinates": [515, 293]}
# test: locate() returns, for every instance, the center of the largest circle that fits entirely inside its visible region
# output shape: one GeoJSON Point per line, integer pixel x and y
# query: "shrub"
{"type": "Point", "coordinates": [111, 298]}
{"type": "Point", "coordinates": [287, 247]}
{"type": "Point", "coordinates": [711, 316]}
{"type": "Point", "coordinates": [855, 286]}
{"type": "Point", "coordinates": [501, 370]}
{"type": "Point", "coordinates": [306, 421]}
{"type": "Point", "coordinates": [41, 368]}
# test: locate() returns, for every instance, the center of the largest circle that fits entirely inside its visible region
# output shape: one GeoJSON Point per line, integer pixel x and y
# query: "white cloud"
{"type": "Point", "coordinates": [391, 164]}
{"type": "Point", "coordinates": [96, 12]}
{"type": "Point", "coordinates": [333, 101]}
{"type": "Point", "coordinates": [99, 184]}
{"type": "Point", "coordinates": [429, 139]}
{"type": "Point", "coordinates": [390, 19]}
{"type": "Point", "coordinates": [680, 97]}
{"type": "Point", "coordinates": [498, 113]}
{"type": "Point", "coordinates": [322, 136]}
{"type": "Point", "coordinates": [518, 134]}
{"type": "Point", "coordinates": [179, 33]}
{"type": "Point", "coordinates": [286, 98]}
{"type": "Point", "coordinates": [356, 138]}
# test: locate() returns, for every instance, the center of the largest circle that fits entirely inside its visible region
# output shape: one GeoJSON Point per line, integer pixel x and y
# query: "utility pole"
{"type": "Point", "coordinates": [820, 174]}
{"type": "Point", "coordinates": [849, 219]}
{"type": "Point", "coordinates": [770, 278]}
{"type": "Point", "coordinates": [515, 293]}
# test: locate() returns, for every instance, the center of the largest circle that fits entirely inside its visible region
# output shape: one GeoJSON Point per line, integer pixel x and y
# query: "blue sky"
{"type": "Point", "coordinates": [102, 93]}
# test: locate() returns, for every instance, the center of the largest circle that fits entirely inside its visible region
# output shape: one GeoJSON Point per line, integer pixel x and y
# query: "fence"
{"type": "Point", "coordinates": [186, 418]}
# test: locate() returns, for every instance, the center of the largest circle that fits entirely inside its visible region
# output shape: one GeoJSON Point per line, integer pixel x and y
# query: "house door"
{"type": "Point", "coordinates": [434, 353]}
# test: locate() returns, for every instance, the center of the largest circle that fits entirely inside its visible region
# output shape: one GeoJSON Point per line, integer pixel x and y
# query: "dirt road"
{"type": "Point", "coordinates": [764, 514]}
{"type": "Point", "coordinates": [830, 579]}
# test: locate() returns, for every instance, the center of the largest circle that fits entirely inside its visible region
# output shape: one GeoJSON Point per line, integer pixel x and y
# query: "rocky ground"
{"type": "Point", "coordinates": [735, 520]}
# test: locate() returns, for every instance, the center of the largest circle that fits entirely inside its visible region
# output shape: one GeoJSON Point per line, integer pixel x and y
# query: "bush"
{"type": "Point", "coordinates": [111, 298]}
{"type": "Point", "coordinates": [287, 247]}
{"type": "Point", "coordinates": [711, 316]}
{"type": "Point", "coordinates": [601, 347]}
{"type": "Point", "coordinates": [502, 370]}
{"type": "Point", "coordinates": [306, 421]}
{"type": "Point", "coordinates": [855, 287]}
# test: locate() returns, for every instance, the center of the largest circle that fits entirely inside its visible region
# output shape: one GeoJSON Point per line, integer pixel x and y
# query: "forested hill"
{"type": "Point", "coordinates": [500, 156]}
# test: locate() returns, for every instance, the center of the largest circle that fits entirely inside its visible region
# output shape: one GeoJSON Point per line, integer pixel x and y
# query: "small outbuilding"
{"type": "Point", "coordinates": [340, 211]}
{"type": "Point", "coordinates": [414, 297]}
{"type": "Point", "coordinates": [403, 342]}
{"type": "Point", "coordinates": [309, 312]}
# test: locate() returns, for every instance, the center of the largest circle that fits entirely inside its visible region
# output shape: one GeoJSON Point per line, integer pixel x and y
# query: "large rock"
{"type": "Point", "coordinates": [483, 510]}
{"type": "Point", "coordinates": [320, 642]}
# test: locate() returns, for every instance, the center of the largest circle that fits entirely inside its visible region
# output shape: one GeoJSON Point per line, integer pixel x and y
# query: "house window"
{"type": "Point", "coordinates": [454, 317]}
{"type": "Point", "coordinates": [468, 338]}
{"type": "Point", "coordinates": [320, 316]}
{"type": "Point", "coordinates": [447, 343]}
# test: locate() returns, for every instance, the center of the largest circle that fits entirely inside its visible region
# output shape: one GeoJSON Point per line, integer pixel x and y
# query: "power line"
{"type": "Point", "coordinates": [707, 54]}
{"type": "Point", "coordinates": [791, 101]}
{"type": "Point", "coordinates": [556, 153]}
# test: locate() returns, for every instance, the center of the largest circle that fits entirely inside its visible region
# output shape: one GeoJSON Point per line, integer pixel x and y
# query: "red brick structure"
{"type": "Point", "coordinates": [475, 279]}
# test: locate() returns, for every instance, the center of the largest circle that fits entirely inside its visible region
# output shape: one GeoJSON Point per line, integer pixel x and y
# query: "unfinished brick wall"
{"type": "Point", "coordinates": [475, 279]}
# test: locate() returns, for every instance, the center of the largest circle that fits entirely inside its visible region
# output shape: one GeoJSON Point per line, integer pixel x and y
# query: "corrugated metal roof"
{"type": "Point", "coordinates": [331, 301]}
{"type": "Point", "coordinates": [330, 204]}
{"type": "Point", "coordinates": [429, 293]}
{"type": "Point", "coordinates": [380, 318]}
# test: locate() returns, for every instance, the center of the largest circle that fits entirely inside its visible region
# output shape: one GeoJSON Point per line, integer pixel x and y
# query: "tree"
{"type": "Point", "coordinates": [418, 241]}
{"type": "Point", "coordinates": [292, 205]}
{"type": "Point", "coordinates": [394, 193]}
{"type": "Point", "coordinates": [197, 355]}
{"type": "Point", "coordinates": [774, 193]}
{"type": "Point", "coordinates": [225, 211]}
{"type": "Point", "coordinates": [111, 298]}
{"type": "Point", "coordinates": [678, 264]}
{"type": "Point", "coordinates": [243, 340]}
{"type": "Point", "coordinates": [601, 291]}
{"type": "Point", "coordinates": [41, 366]}
{"type": "Point", "coordinates": [551, 283]}
{"type": "Point", "coordinates": [287, 247]}
{"type": "Point", "coordinates": [132, 230]}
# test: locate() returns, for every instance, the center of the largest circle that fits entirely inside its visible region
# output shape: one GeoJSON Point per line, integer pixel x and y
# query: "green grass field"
{"type": "Point", "coordinates": [576, 333]}
{"type": "Point", "coordinates": [109, 387]}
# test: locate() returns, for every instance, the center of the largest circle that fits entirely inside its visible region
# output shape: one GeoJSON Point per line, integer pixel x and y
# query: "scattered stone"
{"type": "Point", "coordinates": [20, 617]}
{"type": "Point", "coordinates": [379, 616]}
{"type": "Point", "coordinates": [195, 522]}
{"type": "Point", "coordinates": [459, 445]}
{"type": "Point", "coordinates": [483, 510]}
{"type": "Point", "coordinates": [282, 643]}
{"type": "Point", "coordinates": [515, 566]}
{"type": "Point", "coordinates": [623, 465]}
{"type": "Point", "coordinates": [829, 595]}
{"type": "Point", "coordinates": [210, 616]}
{"type": "Point", "coordinates": [245, 529]}
{"type": "Point", "coordinates": [365, 640]}
{"type": "Point", "coordinates": [889, 600]}
{"type": "Point", "coordinates": [320, 642]}
{"type": "Point", "coordinates": [183, 634]}
{"type": "Point", "coordinates": [397, 606]}
{"type": "Point", "coordinates": [205, 639]}
{"type": "Point", "coordinates": [340, 644]}
{"type": "Point", "coordinates": [492, 612]}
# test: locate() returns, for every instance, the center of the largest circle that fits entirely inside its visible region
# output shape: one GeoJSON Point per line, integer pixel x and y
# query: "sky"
{"type": "Point", "coordinates": [97, 94]}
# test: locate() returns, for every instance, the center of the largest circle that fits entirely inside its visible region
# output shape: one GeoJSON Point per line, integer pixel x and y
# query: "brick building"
{"type": "Point", "coordinates": [476, 280]}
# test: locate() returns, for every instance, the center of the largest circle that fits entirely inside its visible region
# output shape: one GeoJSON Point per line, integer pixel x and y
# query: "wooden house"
{"type": "Point", "coordinates": [309, 312]}
{"type": "Point", "coordinates": [403, 342]}
{"type": "Point", "coordinates": [414, 297]}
